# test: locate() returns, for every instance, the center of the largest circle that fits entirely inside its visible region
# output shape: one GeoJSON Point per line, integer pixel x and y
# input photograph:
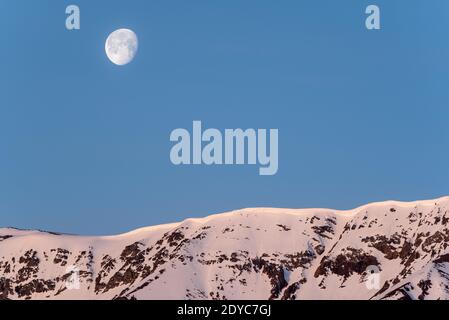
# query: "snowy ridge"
{"type": "Point", "coordinates": [258, 253]}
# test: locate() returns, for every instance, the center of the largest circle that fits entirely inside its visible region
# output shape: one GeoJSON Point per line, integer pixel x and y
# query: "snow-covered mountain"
{"type": "Point", "coordinates": [246, 254]}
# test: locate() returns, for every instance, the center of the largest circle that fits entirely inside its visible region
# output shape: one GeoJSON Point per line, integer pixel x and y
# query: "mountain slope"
{"type": "Point", "coordinates": [246, 254]}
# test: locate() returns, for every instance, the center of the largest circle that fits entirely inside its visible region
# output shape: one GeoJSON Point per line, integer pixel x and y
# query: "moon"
{"type": "Point", "coordinates": [121, 46]}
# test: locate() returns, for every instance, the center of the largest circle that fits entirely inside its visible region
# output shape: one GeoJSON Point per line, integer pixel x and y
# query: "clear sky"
{"type": "Point", "coordinates": [84, 144]}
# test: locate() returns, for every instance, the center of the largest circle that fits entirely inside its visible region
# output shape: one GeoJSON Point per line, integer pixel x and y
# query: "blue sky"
{"type": "Point", "coordinates": [84, 144]}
